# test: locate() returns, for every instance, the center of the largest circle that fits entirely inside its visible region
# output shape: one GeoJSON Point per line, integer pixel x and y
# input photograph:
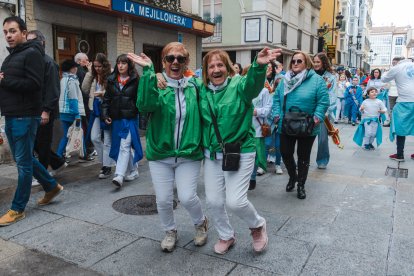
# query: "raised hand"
{"type": "Point", "coordinates": [141, 59]}
{"type": "Point", "coordinates": [266, 55]}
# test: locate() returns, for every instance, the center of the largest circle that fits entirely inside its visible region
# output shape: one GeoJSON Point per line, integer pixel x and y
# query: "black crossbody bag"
{"type": "Point", "coordinates": [296, 122]}
{"type": "Point", "coordinates": [231, 151]}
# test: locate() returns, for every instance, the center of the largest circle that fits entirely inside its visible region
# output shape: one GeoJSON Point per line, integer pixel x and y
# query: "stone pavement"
{"type": "Point", "coordinates": [355, 221]}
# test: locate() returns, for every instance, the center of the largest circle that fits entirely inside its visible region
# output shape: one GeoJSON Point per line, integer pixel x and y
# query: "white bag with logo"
{"type": "Point", "coordinates": [75, 141]}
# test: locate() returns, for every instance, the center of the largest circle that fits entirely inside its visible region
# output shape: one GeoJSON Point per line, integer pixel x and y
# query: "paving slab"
{"type": "Point", "coordinates": [326, 260]}
{"type": "Point", "coordinates": [403, 219]}
{"type": "Point", "coordinates": [132, 260]}
{"type": "Point", "coordinates": [75, 241]}
{"type": "Point", "coordinates": [8, 249]}
{"type": "Point", "coordinates": [31, 263]}
{"type": "Point", "coordinates": [34, 218]}
{"type": "Point", "coordinates": [401, 260]}
{"type": "Point", "coordinates": [251, 271]}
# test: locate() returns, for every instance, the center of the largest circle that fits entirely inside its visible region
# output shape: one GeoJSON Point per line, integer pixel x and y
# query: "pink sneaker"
{"type": "Point", "coordinates": [222, 246]}
{"type": "Point", "coordinates": [260, 238]}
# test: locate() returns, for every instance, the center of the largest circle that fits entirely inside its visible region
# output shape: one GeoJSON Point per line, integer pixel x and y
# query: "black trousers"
{"type": "Point", "coordinates": [43, 146]}
{"type": "Point", "coordinates": [287, 147]}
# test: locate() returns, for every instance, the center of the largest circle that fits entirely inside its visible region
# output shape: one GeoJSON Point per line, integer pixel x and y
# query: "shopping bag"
{"type": "Point", "coordinates": [75, 141]}
{"type": "Point", "coordinates": [5, 153]}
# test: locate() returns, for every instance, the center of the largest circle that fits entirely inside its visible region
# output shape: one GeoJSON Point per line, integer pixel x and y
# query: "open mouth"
{"type": "Point", "coordinates": [217, 76]}
{"type": "Point", "coordinates": [175, 69]}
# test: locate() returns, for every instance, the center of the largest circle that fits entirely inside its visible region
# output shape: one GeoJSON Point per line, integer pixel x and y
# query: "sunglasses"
{"type": "Point", "coordinates": [296, 61]}
{"type": "Point", "coordinates": [171, 58]}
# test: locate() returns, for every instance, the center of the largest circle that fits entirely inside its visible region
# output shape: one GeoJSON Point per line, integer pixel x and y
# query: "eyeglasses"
{"type": "Point", "coordinates": [296, 61]}
{"type": "Point", "coordinates": [171, 58]}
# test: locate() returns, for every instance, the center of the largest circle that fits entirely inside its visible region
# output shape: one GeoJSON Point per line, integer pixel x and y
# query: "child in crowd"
{"type": "Point", "coordinates": [340, 98]}
{"type": "Point", "coordinates": [70, 101]}
{"type": "Point", "coordinates": [369, 129]}
{"type": "Point", "coordinates": [353, 100]}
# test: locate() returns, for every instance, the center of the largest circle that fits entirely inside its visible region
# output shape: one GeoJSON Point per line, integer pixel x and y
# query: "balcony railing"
{"type": "Point", "coordinates": [172, 5]}
{"type": "Point", "coordinates": [218, 31]}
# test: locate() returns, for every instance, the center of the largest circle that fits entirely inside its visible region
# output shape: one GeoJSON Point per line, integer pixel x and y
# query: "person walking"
{"type": "Point", "coordinates": [173, 140]}
{"type": "Point", "coordinates": [340, 99]}
{"type": "Point", "coordinates": [322, 67]}
{"type": "Point", "coordinates": [382, 92]}
{"type": "Point", "coordinates": [120, 112]}
{"type": "Point", "coordinates": [50, 108]}
{"type": "Point", "coordinates": [353, 100]}
{"type": "Point", "coordinates": [301, 88]}
{"type": "Point", "coordinates": [226, 111]}
{"type": "Point", "coordinates": [402, 123]}
{"type": "Point", "coordinates": [95, 82]}
{"type": "Point", "coordinates": [21, 80]}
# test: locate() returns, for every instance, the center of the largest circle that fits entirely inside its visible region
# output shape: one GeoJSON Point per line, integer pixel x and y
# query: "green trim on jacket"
{"type": "Point", "coordinates": [229, 106]}
{"type": "Point", "coordinates": [161, 125]}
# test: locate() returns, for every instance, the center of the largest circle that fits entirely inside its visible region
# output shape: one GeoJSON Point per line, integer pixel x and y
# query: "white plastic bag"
{"type": "Point", "coordinates": [75, 140]}
{"type": "Point", "coordinates": [5, 153]}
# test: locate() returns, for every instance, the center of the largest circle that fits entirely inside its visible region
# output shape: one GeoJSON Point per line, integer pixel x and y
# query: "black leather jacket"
{"type": "Point", "coordinates": [120, 103]}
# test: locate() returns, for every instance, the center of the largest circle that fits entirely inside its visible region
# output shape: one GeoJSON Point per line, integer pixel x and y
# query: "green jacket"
{"type": "Point", "coordinates": [229, 105]}
{"type": "Point", "coordinates": [166, 137]}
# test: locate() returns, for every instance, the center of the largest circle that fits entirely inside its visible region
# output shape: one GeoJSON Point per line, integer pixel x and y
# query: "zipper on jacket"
{"type": "Point", "coordinates": [179, 121]}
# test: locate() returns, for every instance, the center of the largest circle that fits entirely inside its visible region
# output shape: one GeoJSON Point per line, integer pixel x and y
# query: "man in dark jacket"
{"type": "Point", "coordinates": [21, 80]}
{"type": "Point", "coordinates": [50, 107]}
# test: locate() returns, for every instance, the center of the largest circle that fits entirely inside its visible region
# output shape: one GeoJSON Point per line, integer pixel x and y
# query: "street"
{"type": "Point", "coordinates": [354, 221]}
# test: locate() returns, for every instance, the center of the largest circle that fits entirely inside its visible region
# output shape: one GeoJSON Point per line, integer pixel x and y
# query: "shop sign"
{"type": "Point", "coordinates": [148, 12]}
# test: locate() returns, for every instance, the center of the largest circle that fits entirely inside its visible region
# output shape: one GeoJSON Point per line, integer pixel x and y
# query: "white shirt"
{"type": "Point", "coordinates": [403, 74]}
{"type": "Point", "coordinates": [372, 108]}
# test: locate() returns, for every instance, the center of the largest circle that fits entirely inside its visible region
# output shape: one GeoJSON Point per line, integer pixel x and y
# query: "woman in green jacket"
{"type": "Point", "coordinates": [304, 89]}
{"type": "Point", "coordinates": [173, 139]}
{"type": "Point", "coordinates": [229, 99]}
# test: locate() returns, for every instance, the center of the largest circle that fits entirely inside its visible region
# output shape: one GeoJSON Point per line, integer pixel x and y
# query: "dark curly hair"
{"type": "Point", "coordinates": [106, 68]}
{"type": "Point", "coordinates": [372, 73]}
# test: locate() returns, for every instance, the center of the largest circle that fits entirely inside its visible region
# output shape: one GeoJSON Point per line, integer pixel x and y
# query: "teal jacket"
{"type": "Point", "coordinates": [229, 104]}
{"type": "Point", "coordinates": [311, 96]}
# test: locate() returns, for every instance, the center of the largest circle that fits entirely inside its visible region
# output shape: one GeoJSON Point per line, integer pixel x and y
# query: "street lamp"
{"type": "Point", "coordinates": [358, 47]}
{"type": "Point", "coordinates": [323, 30]}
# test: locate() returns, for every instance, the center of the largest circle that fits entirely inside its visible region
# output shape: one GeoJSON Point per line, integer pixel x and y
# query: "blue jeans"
{"type": "Point", "coordinates": [322, 157]}
{"type": "Point", "coordinates": [275, 141]}
{"type": "Point", "coordinates": [21, 134]}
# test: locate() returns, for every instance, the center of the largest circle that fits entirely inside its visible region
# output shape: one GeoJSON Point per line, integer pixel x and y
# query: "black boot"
{"type": "Point", "coordinates": [291, 168]}
{"type": "Point", "coordinates": [303, 168]}
{"type": "Point", "coordinates": [252, 185]}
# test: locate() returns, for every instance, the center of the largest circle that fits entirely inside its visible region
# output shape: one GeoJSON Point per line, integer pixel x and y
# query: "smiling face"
{"type": "Point", "coordinates": [342, 78]}
{"type": "Point", "coordinates": [217, 70]}
{"type": "Point", "coordinates": [372, 94]}
{"type": "Point", "coordinates": [175, 63]}
{"type": "Point", "coordinates": [14, 36]}
{"type": "Point", "coordinates": [317, 63]}
{"type": "Point", "coordinates": [236, 68]}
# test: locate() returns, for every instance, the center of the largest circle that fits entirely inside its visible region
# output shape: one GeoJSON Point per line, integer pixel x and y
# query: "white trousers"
{"type": "Point", "coordinates": [125, 163]}
{"type": "Point", "coordinates": [102, 148]}
{"type": "Point", "coordinates": [370, 132]}
{"type": "Point", "coordinates": [185, 173]}
{"type": "Point", "coordinates": [340, 108]}
{"type": "Point", "coordinates": [230, 188]}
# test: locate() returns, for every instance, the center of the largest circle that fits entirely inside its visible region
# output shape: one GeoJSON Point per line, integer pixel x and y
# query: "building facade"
{"type": "Point", "coordinates": [117, 26]}
{"type": "Point", "coordinates": [389, 42]}
{"type": "Point", "coordinates": [243, 27]}
{"type": "Point", "coordinates": [329, 29]}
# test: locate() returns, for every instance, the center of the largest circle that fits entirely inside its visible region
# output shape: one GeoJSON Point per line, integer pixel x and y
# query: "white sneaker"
{"type": "Point", "coordinates": [35, 182]}
{"type": "Point", "coordinates": [94, 153]}
{"type": "Point", "coordinates": [118, 180]}
{"type": "Point", "coordinates": [260, 171]}
{"type": "Point", "coordinates": [53, 173]}
{"type": "Point", "coordinates": [132, 176]}
{"type": "Point", "coordinates": [168, 243]}
{"type": "Point", "coordinates": [279, 169]}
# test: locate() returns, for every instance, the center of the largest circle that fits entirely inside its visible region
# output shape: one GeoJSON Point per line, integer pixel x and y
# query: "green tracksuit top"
{"type": "Point", "coordinates": [229, 104]}
{"type": "Point", "coordinates": [174, 128]}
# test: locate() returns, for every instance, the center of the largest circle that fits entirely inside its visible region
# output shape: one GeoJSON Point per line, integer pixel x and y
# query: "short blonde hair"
{"type": "Point", "coordinates": [224, 57]}
{"type": "Point", "coordinates": [175, 46]}
{"type": "Point", "coordinates": [308, 61]}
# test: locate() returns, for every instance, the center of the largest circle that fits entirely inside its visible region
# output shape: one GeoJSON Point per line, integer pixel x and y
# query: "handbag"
{"type": "Point", "coordinates": [75, 140]}
{"type": "Point", "coordinates": [265, 128]}
{"type": "Point", "coordinates": [231, 151]}
{"type": "Point", "coordinates": [296, 122]}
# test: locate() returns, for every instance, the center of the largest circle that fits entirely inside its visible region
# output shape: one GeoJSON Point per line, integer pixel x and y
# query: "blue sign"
{"type": "Point", "coordinates": [141, 10]}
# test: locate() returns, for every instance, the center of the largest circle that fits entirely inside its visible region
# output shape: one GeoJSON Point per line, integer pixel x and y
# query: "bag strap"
{"type": "Point", "coordinates": [284, 104]}
{"type": "Point", "coordinates": [214, 119]}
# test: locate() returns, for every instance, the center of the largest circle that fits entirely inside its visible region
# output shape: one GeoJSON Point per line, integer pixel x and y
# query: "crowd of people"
{"type": "Point", "coordinates": [231, 120]}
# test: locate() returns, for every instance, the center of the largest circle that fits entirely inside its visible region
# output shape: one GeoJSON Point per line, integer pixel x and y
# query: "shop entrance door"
{"type": "Point", "coordinates": [68, 42]}
{"type": "Point", "coordinates": [154, 53]}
